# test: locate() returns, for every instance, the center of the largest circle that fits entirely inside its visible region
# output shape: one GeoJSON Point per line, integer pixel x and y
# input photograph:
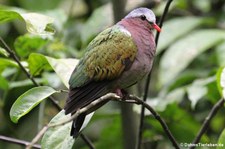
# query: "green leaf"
{"type": "Point", "coordinates": [178, 27]}
{"type": "Point", "coordinates": [62, 67]}
{"type": "Point", "coordinates": [6, 63]}
{"type": "Point", "coordinates": [27, 44]}
{"type": "Point", "coordinates": [6, 16]}
{"type": "Point", "coordinates": [222, 81]}
{"type": "Point", "coordinates": [59, 137]}
{"type": "Point", "coordinates": [220, 53]}
{"type": "Point", "coordinates": [198, 89]}
{"type": "Point", "coordinates": [35, 23]}
{"type": "Point", "coordinates": [37, 63]}
{"type": "Point", "coordinates": [221, 140]}
{"type": "Point", "coordinates": [184, 51]}
{"type": "Point", "coordinates": [218, 80]}
{"type": "Point", "coordinates": [4, 52]}
{"type": "Point", "coordinates": [38, 24]}
{"type": "Point", "coordinates": [27, 101]}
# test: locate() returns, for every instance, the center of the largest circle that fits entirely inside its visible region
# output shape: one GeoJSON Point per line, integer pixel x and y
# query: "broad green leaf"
{"type": "Point", "coordinates": [27, 101]}
{"type": "Point", "coordinates": [27, 44]}
{"type": "Point", "coordinates": [175, 28]}
{"type": "Point", "coordinates": [38, 24]}
{"type": "Point", "coordinates": [63, 68]}
{"type": "Point", "coordinates": [6, 16]}
{"type": "Point", "coordinates": [59, 137]}
{"type": "Point", "coordinates": [37, 63]}
{"type": "Point", "coordinates": [35, 23]}
{"type": "Point", "coordinates": [222, 81]}
{"type": "Point", "coordinates": [198, 89]}
{"type": "Point", "coordinates": [218, 80]}
{"type": "Point", "coordinates": [221, 140]}
{"type": "Point", "coordinates": [184, 51]}
{"type": "Point", "coordinates": [6, 63]}
{"type": "Point", "coordinates": [3, 52]}
{"type": "Point", "coordinates": [220, 53]}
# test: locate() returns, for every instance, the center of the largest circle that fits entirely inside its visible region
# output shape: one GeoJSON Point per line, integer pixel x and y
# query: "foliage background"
{"type": "Point", "coordinates": [185, 82]}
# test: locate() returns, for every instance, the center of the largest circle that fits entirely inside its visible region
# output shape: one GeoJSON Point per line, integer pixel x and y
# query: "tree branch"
{"type": "Point", "coordinates": [157, 117]}
{"type": "Point", "coordinates": [109, 96]}
{"type": "Point", "coordinates": [17, 141]}
{"type": "Point", "coordinates": [149, 78]}
{"type": "Point", "coordinates": [74, 116]}
{"type": "Point", "coordinates": [13, 55]}
{"type": "Point", "coordinates": [207, 121]}
{"type": "Point", "coordinates": [87, 141]}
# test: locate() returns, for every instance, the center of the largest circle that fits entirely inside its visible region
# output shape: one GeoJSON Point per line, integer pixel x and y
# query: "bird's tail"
{"type": "Point", "coordinates": [76, 125]}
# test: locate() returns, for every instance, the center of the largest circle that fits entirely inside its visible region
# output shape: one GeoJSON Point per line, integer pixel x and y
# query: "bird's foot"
{"type": "Point", "coordinates": [122, 93]}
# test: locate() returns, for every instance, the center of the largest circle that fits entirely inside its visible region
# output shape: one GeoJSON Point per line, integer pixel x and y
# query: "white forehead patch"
{"type": "Point", "coordinates": [150, 16]}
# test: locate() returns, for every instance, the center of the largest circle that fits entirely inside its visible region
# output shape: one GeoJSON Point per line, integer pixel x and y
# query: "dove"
{"type": "Point", "coordinates": [115, 59]}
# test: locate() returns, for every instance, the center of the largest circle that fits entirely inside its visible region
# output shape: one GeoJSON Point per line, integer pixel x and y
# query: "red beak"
{"type": "Point", "coordinates": [155, 26]}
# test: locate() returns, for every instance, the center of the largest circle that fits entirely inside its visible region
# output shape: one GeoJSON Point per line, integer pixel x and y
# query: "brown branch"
{"type": "Point", "coordinates": [87, 141]}
{"type": "Point", "coordinates": [149, 78]}
{"type": "Point", "coordinates": [13, 55]}
{"type": "Point", "coordinates": [17, 141]}
{"type": "Point", "coordinates": [74, 116]}
{"type": "Point", "coordinates": [109, 96]}
{"type": "Point", "coordinates": [157, 117]}
{"type": "Point", "coordinates": [207, 121]}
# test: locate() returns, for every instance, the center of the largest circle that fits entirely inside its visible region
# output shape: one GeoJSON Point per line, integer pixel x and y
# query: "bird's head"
{"type": "Point", "coordinates": [145, 15]}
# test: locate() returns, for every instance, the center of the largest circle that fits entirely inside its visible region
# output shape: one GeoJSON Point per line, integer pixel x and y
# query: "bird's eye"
{"type": "Point", "coordinates": [143, 17]}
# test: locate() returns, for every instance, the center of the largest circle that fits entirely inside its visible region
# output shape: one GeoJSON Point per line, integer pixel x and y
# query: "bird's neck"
{"type": "Point", "coordinates": [141, 34]}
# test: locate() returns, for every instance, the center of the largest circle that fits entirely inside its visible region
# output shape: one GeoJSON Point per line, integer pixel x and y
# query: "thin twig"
{"type": "Point", "coordinates": [86, 108]}
{"type": "Point", "coordinates": [87, 141]}
{"type": "Point", "coordinates": [13, 55]}
{"type": "Point", "coordinates": [149, 78]}
{"type": "Point", "coordinates": [165, 12]}
{"type": "Point", "coordinates": [74, 116]}
{"type": "Point", "coordinates": [16, 58]}
{"type": "Point", "coordinates": [37, 137]}
{"type": "Point", "coordinates": [207, 121]}
{"type": "Point", "coordinates": [17, 141]}
{"type": "Point", "coordinates": [109, 96]}
{"type": "Point", "coordinates": [157, 117]}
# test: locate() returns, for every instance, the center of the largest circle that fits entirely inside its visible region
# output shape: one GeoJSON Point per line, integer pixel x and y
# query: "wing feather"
{"type": "Point", "coordinates": [107, 56]}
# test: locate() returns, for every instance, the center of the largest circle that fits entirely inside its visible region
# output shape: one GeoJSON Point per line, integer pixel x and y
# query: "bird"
{"type": "Point", "coordinates": [115, 59]}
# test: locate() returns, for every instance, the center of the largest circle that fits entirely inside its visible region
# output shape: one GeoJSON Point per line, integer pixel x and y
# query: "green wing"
{"type": "Point", "coordinates": [107, 56]}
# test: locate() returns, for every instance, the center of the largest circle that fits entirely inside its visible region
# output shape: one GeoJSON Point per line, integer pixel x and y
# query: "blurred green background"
{"type": "Point", "coordinates": [185, 82]}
